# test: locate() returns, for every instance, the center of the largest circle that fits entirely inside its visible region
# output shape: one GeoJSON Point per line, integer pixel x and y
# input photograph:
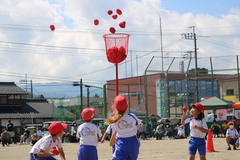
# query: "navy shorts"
{"type": "Point", "coordinates": [233, 141]}
{"type": "Point", "coordinates": [86, 152]}
{"type": "Point", "coordinates": [35, 157]}
{"type": "Point", "coordinates": [197, 144]}
{"type": "Point", "coordinates": [126, 148]}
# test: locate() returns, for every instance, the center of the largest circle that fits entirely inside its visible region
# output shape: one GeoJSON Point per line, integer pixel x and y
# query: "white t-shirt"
{"type": "Point", "coordinates": [110, 129]}
{"type": "Point", "coordinates": [196, 132]}
{"type": "Point", "coordinates": [46, 143]}
{"type": "Point", "coordinates": [232, 132]}
{"type": "Point", "coordinates": [126, 126]}
{"type": "Point", "coordinates": [89, 134]}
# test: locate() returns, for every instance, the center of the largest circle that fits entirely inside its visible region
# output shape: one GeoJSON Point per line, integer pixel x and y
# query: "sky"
{"type": "Point", "coordinates": [75, 50]}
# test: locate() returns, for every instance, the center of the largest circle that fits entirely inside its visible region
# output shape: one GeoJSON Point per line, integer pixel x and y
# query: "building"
{"type": "Point", "coordinates": [164, 94]}
{"type": "Point", "coordinates": [22, 111]}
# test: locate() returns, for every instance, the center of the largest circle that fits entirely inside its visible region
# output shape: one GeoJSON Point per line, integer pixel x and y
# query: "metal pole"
{"type": "Point", "coordinates": [81, 96]}
{"type": "Point", "coordinates": [105, 100]}
{"type": "Point", "coordinates": [238, 79]}
{"type": "Point", "coordinates": [212, 76]}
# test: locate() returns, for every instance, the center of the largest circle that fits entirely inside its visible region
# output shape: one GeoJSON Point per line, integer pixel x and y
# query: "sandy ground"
{"type": "Point", "coordinates": [149, 150]}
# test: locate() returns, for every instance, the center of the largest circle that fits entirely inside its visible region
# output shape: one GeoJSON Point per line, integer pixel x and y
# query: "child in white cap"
{"type": "Point", "coordinates": [232, 136]}
{"type": "Point", "coordinates": [89, 135]}
{"type": "Point", "coordinates": [42, 150]}
{"type": "Point", "coordinates": [127, 144]}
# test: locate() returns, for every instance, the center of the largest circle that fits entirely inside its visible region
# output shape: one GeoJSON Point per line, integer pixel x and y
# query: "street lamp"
{"type": "Point", "coordinates": [88, 104]}
{"type": "Point", "coordinates": [81, 93]}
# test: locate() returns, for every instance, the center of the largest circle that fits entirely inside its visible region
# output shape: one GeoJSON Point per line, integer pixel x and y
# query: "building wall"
{"type": "Point", "coordinates": [226, 84]}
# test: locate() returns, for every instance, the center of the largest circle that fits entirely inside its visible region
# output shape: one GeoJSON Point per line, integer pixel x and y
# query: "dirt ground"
{"type": "Point", "coordinates": [149, 150]}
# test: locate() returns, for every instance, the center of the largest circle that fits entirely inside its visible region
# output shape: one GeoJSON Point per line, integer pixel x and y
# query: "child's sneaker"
{"type": "Point", "coordinates": [229, 148]}
{"type": "Point", "coordinates": [234, 148]}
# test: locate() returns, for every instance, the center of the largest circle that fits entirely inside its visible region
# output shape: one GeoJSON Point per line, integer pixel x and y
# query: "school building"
{"type": "Point", "coordinates": [165, 94]}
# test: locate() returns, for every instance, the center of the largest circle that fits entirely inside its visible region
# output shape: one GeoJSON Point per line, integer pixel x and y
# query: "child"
{"type": "Point", "coordinates": [232, 136]}
{"type": "Point", "coordinates": [89, 135]}
{"type": "Point", "coordinates": [198, 129]}
{"type": "Point", "coordinates": [127, 145]}
{"type": "Point", "coordinates": [42, 148]}
{"type": "Point", "coordinates": [109, 131]}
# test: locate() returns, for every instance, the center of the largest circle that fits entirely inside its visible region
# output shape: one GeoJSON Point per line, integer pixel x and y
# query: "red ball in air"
{"type": "Point", "coordinates": [112, 30]}
{"type": "Point", "coordinates": [119, 12]}
{"type": "Point", "coordinates": [115, 16]}
{"type": "Point", "coordinates": [52, 27]}
{"type": "Point", "coordinates": [122, 24]}
{"type": "Point", "coordinates": [110, 12]}
{"type": "Point", "coordinates": [96, 22]}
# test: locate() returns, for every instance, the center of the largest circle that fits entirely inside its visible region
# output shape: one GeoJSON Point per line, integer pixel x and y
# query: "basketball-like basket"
{"type": "Point", "coordinates": [116, 46]}
{"type": "Point", "coordinates": [116, 49]}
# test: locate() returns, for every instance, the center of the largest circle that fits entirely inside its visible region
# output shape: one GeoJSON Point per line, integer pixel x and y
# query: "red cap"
{"type": "Point", "coordinates": [88, 114]}
{"type": "Point", "coordinates": [121, 103]}
{"type": "Point", "coordinates": [199, 107]}
{"type": "Point", "coordinates": [230, 123]}
{"type": "Point", "coordinates": [57, 127]}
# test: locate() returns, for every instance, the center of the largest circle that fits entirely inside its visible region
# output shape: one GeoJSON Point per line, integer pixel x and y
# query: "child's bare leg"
{"type": "Point", "coordinates": [202, 157]}
{"type": "Point", "coordinates": [192, 157]}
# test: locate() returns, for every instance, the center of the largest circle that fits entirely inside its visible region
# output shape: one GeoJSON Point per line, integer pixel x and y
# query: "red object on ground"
{"type": "Point", "coordinates": [210, 147]}
{"type": "Point", "coordinates": [122, 24]}
{"type": "Point", "coordinates": [115, 16]}
{"type": "Point", "coordinates": [110, 12]}
{"type": "Point", "coordinates": [184, 108]}
{"type": "Point", "coordinates": [96, 22]}
{"type": "Point", "coordinates": [54, 150]}
{"type": "Point", "coordinates": [112, 30]}
{"type": "Point", "coordinates": [52, 27]}
{"type": "Point", "coordinates": [119, 12]}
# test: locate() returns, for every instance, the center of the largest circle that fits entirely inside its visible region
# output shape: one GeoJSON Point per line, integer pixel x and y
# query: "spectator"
{"type": "Point", "coordinates": [10, 130]}
{"type": "Point", "coordinates": [181, 132]}
{"type": "Point", "coordinates": [160, 131]}
{"type": "Point", "coordinates": [39, 132]}
{"type": "Point", "coordinates": [232, 136]}
{"type": "Point", "coordinates": [236, 123]}
{"type": "Point", "coordinates": [153, 123]}
{"type": "Point", "coordinates": [142, 132]}
{"type": "Point", "coordinates": [34, 137]}
{"type": "Point", "coordinates": [168, 130]}
{"type": "Point", "coordinates": [25, 135]}
{"type": "Point", "coordinates": [5, 137]}
{"type": "Point", "coordinates": [215, 128]}
{"type": "Point", "coordinates": [224, 128]}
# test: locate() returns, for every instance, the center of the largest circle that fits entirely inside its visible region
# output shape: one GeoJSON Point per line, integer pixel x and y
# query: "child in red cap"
{"type": "Point", "coordinates": [126, 125]}
{"type": "Point", "coordinates": [198, 129]}
{"type": "Point", "coordinates": [42, 149]}
{"type": "Point", "coordinates": [89, 135]}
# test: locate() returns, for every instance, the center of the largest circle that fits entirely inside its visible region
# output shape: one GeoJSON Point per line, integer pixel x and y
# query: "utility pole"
{"type": "Point", "coordinates": [192, 36]}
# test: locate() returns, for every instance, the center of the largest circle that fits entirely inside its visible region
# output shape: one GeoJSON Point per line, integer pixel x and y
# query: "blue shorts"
{"type": "Point", "coordinates": [233, 141]}
{"type": "Point", "coordinates": [126, 148]}
{"type": "Point", "coordinates": [197, 144]}
{"type": "Point", "coordinates": [86, 152]}
{"type": "Point", "coordinates": [35, 157]}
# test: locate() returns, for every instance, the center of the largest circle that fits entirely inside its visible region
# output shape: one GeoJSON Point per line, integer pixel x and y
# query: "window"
{"type": "Point", "coordinates": [3, 99]}
{"type": "Point", "coordinates": [230, 92]}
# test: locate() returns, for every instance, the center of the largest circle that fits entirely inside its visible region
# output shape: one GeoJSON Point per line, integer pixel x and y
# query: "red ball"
{"type": "Point", "coordinates": [52, 27]}
{"type": "Point", "coordinates": [110, 12]}
{"type": "Point", "coordinates": [122, 24]}
{"type": "Point", "coordinates": [119, 12]}
{"type": "Point", "coordinates": [115, 16]}
{"type": "Point", "coordinates": [112, 30]}
{"type": "Point", "coordinates": [96, 22]}
{"type": "Point", "coordinates": [184, 108]}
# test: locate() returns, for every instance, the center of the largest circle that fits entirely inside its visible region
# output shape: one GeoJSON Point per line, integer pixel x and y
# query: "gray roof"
{"type": "Point", "coordinates": [35, 109]}
{"type": "Point", "coordinates": [10, 88]}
